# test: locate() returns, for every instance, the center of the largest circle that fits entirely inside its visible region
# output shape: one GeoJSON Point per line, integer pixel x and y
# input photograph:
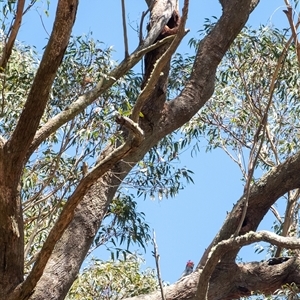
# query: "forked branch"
{"type": "Point", "coordinates": [233, 243]}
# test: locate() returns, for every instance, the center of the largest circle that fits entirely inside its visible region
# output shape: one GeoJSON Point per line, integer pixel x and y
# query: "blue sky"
{"type": "Point", "coordinates": [186, 224]}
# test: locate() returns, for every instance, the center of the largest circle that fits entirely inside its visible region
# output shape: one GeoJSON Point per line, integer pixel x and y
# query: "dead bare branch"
{"type": "Point", "coordinates": [289, 14]}
{"type": "Point", "coordinates": [124, 29]}
{"type": "Point", "coordinates": [157, 257]}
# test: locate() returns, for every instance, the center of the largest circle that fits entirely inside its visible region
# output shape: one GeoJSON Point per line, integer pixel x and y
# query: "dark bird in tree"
{"type": "Point", "coordinates": [188, 269]}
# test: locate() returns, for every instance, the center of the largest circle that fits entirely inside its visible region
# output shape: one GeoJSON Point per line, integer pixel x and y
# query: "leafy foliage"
{"type": "Point", "coordinates": [15, 84]}
{"type": "Point", "coordinates": [56, 166]}
{"type": "Point", "coordinates": [121, 224]}
{"type": "Point", "coordinates": [113, 280]}
{"type": "Point", "coordinates": [257, 80]}
{"type": "Point", "coordinates": [246, 82]}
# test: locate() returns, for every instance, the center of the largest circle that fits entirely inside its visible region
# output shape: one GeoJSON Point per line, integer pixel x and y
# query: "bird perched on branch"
{"type": "Point", "coordinates": [188, 269]}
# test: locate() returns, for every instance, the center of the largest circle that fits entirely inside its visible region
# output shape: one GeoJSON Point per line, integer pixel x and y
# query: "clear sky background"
{"type": "Point", "coordinates": [186, 224]}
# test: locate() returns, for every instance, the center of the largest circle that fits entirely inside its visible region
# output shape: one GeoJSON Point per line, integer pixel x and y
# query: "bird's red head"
{"type": "Point", "coordinates": [190, 264]}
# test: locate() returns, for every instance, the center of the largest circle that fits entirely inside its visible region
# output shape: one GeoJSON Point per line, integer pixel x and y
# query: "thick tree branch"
{"type": "Point", "coordinates": [68, 254]}
{"type": "Point", "coordinates": [28, 123]}
{"type": "Point", "coordinates": [15, 149]}
{"type": "Point", "coordinates": [161, 13]}
{"type": "Point", "coordinates": [245, 278]}
{"type": "Point", "coordinates": [263, 194]}
{"type": "Point", "coordinates": [263, 277]}
{"type": "Point", "coordinates": [209, 54]}
{"type": "Point", "coordinates": [233, 243]}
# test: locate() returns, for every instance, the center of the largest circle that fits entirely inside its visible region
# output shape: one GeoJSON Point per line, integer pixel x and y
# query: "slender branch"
{"type": "Point", "coordinates": [253, 157]}
{"type": "Point", "coordinates": [144, 14]}
{"type": "Point", "coordinates": [268, 135]}
{"type": "Point", "coordinates": [12, 37]}
{"type": "Point", "coordinates": [289, 215]}
{"type": "Point", "coordinates": [157, 257]}
{"type": "Point", "coordinates": [29, 6]}
{"type": "Point", "coordinates": [276, 214]}
{"type": "Point", "coordinates": [124, 29]}
{"type": "Point", "coordinates": [19, 143]}
{"type": "Point", "coordinates": [43, 24]}
{"type": "Point", "coordinates": [261, 128]}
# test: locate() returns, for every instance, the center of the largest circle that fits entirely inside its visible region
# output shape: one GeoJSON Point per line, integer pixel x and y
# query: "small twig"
{"type": "Point", "coordinates": [276, 214]}
{"type": "Point", "coordinates": [261, 128]}
{"type": "Point", "coordinates": [43, 24]}
{"type": "Point", "coordinates": [156, 256]}
{"type": "Point", "coordinates": [124, 29]}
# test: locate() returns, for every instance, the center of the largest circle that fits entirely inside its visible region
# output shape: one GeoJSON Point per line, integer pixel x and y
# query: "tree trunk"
{"type": "Point", "coordinates": [11, 232]}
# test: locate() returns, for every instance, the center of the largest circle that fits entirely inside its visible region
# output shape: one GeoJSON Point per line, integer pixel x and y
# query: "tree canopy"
{"type": "Point", "coordinates": [84, 138]}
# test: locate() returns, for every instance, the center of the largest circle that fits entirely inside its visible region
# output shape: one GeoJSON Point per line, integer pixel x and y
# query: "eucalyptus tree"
{"type": "Point", "coordinates": [76, 128]}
